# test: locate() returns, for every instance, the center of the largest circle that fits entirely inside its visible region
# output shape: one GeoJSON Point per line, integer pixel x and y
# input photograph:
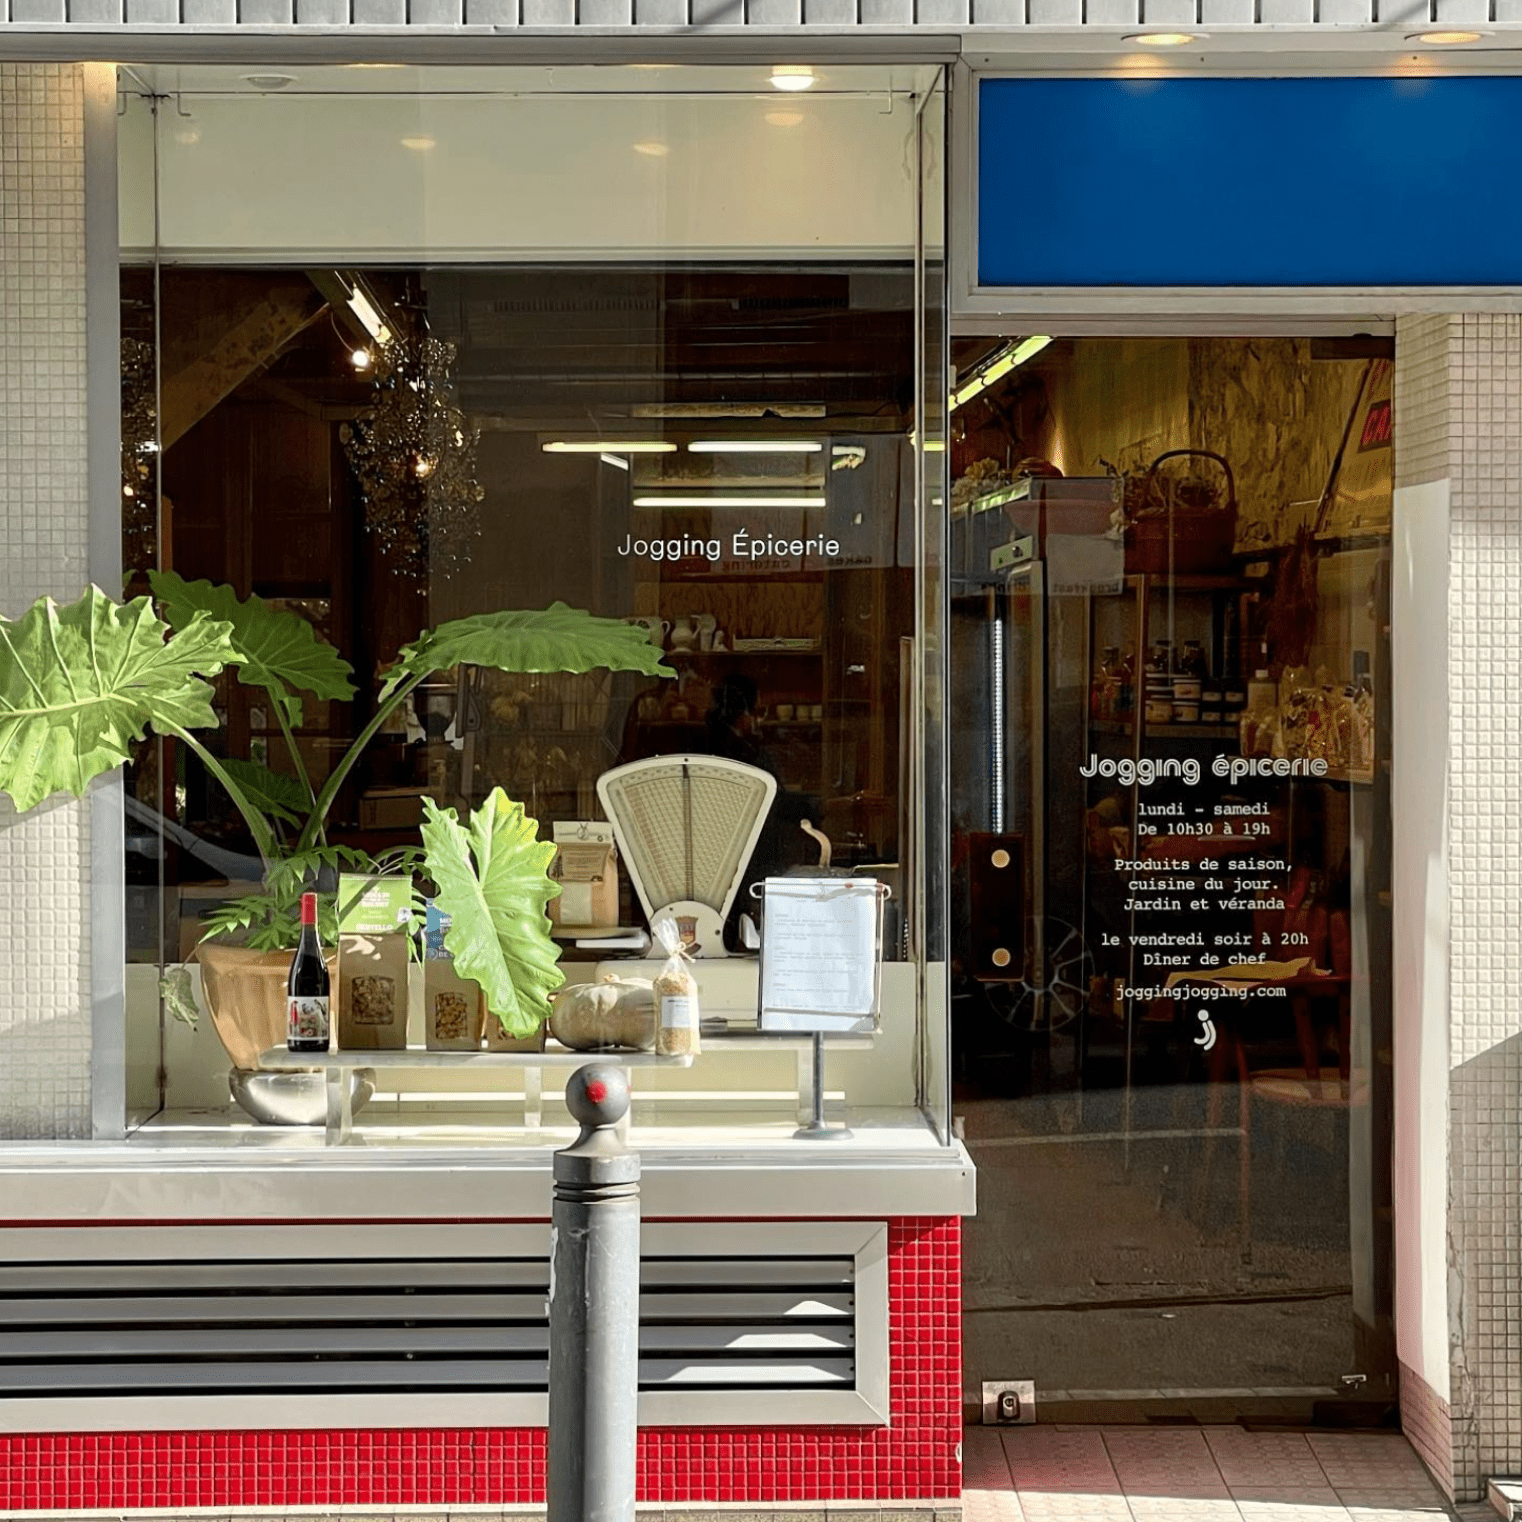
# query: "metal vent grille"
{"type": "Point", "coordinates": [246, 1327]}
{"type": "Point", "coordinates": [132, 1327]}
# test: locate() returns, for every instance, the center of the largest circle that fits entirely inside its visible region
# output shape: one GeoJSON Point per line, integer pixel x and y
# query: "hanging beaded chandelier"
{"type": "Point", "coordinates": [413, 452]}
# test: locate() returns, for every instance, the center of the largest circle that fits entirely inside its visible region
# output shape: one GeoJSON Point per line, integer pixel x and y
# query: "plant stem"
{"type": "Point", "coordinates": [258, 825]}
{"type": "Point", "coordinates": [317, 822]}
{"type": "Point", "coordinates": [295, 754]}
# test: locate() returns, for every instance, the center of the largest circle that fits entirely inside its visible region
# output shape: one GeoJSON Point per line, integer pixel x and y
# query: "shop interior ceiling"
{"type": "Point", "coordinates": [586, 348]}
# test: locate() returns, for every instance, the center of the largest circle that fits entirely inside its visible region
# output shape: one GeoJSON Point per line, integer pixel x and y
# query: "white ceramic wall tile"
{"type": "Point", "coordinates": [1458, 414]}
{"type": "Point", "coordinates": [44, 857]}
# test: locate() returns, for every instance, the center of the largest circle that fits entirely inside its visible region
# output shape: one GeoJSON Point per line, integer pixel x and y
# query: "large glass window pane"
{"type": "Point", "coordinates": [650, 346]}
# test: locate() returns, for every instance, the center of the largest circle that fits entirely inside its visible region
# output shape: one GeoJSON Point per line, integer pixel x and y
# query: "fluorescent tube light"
{"type": "Point", "coordinates": [755, 446]}
{"type": "Point", "coordinates": [614, 459]}
{"type": "Point", "coordinates": [1010, 359]}
{"type": "Point", "coordinates": [696, 501]}
{"type": "Point", "coordinates": [360, 305]}
{"type": "Point", "coordinates": [604, 446]}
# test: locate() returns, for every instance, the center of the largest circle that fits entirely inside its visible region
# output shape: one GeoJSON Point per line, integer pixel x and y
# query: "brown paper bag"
{"type": "Point", "coordinates": [586, 867]}
{"type": "Point", "coordinates": [452, 1008]}
{"type": "Point", "coordinates": [372, 992]}
{"type": "Point", "coordinates": [498, 1040]}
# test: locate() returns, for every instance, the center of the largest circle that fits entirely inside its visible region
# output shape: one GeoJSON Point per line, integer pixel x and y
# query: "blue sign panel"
{"type": "Point", "coordinates": [1250, 182]}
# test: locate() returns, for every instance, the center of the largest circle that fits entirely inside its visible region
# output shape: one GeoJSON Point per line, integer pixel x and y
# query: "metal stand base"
{"type": "Point", "coordinates": [821, 1133]}
{"type": "Point", "coordinates": [816, 1130]}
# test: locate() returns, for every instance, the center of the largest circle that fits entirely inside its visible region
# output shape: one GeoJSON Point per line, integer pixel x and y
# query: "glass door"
{"type": "Point", "coordinates": [1171, 872]}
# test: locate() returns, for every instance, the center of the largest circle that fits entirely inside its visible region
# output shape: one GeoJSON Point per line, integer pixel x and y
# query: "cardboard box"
{"type": "Point", "coordinates": [586, 867]}
{"type": "Point", "coordinates": [453, 1007]}
{"type": "Point", "coordinates": [374, 914]}
{"type": "Point", "coordinates": [391, 808]}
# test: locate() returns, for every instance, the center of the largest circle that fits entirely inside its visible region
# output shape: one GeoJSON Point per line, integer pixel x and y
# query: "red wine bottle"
{"type": "Point", "coordinates": [307, 987]}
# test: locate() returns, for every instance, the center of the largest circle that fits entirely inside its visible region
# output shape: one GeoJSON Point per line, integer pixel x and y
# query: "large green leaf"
{"type": "Point", "coordinates": [275, 649]}
{"type": "Point", "coordinates": [556, 638]}
{"type": "Point", "coordinates": [80, 683]}
{"type": "Point", "coordinates": [274, 792]}
{"type": "Point", "coordinates": [493, 881]}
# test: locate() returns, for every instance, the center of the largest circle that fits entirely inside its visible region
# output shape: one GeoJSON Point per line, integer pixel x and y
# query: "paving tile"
{"type": "Point", "coordinates": [1265, 1458]}
{"type": "Point", "coordinates": [1152, 1487]}
{"type": "Point", "coordinates": [1413, 1500]}
{"type": "Point", "coordinates": [1044, 1459]}
{"type": "Point", "coordinates": [984, 1465]}
{"type": "Point", "coordinates": [1176, 1508]}
{"type": "Point", "coordinates": [1288, 1503]}
{"type": "Point", "coordinates": [1368, 1461]}
{"type": "Point", "coordinates": [1418, 1511]}
{"type": "Point", "coordinates": [991, 1506]}
{"type": "Point", "coordinates": [1074, 1506]}
{"type": "Point", "coordinates": [1144, 1460]}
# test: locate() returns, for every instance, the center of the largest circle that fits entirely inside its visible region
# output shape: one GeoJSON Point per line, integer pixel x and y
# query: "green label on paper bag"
{"type": "Point", "coordinates": [373, 905]}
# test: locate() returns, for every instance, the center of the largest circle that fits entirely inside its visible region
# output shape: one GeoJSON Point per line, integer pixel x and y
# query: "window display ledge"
{"type": "Point", "coordinates": [873, 1174]}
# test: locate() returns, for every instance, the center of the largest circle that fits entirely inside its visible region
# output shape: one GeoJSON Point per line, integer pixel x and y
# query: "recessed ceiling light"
{"type": "Point", "coordinates": [268, 81]}
{"type": "Point", "coordinates": [792, 76]}
{"type": "Point", "coordinates": [1163, 39]}
{"type": "Point", "coordinates": [784, 118]}
{"type": "Point", "coordinates": [1445, 39]}
{"type": "Point", "coordinates": [600, 446]}
{"type": "Point", "coordinates": [653, 150]}
{"type": "Point", "coordinates": [360, 359]}
{"type": "Point", "coordinates": [420, 144]}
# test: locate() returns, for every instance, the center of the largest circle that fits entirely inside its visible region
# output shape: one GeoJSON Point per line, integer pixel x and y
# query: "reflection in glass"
{"type": "Point", "coordinates": [1171, 990]}
{"type": "Point", "coordinates": [593, 375]}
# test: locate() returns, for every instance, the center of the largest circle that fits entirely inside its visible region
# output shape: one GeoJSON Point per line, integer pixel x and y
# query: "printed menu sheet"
{"type": "Point", "coordinates": [819, 954]}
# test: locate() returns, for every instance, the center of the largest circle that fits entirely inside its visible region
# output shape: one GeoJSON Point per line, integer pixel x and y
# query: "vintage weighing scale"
{"type": "Point", "coordinates": [687, 826]}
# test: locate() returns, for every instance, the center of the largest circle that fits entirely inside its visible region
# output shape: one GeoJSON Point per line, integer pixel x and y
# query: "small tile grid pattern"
{"type": "Point", "coordinates": [1459, 414]}
{"type": "Point", "coordinates": [416, 16]}
{"type": "Point", "coordinates": [45, 856]}
{"type": "Point", "coordinates": [915, 1458]}
{"type": "Point", "coordinates": [1485, 831]}
{"type": "Point", "coordinates": [1428, 1427]}
{"type": "Point", "coordinates": [1201, 1474]}
{"type": "Point", "coordinates": [1420, 400]}
{"type": "Point", "coordinates": [844, 1511]}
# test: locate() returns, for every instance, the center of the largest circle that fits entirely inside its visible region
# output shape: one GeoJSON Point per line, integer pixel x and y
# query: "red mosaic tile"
{"type": "Point", "coordinates": [915, 1457]}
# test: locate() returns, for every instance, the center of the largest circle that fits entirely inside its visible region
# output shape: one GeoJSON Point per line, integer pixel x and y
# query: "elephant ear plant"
{"type": "Point", "coordinates": [81, 683]}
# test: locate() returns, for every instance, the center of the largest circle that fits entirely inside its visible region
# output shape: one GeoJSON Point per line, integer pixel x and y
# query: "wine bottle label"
{"type": "Point", "coordinates": [306, 1018]}
{"type": "Point", "coordinates": [678, 1013]}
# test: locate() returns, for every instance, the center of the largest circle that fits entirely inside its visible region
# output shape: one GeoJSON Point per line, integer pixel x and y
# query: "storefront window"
{"type": "Point", "coordinates": [641, 342]}
{"type": "Point", "coordinates": [1171, 999]}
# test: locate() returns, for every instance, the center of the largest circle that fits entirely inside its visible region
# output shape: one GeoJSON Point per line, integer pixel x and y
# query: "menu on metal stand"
{"type": "Point", "coordinates": [820, 954]}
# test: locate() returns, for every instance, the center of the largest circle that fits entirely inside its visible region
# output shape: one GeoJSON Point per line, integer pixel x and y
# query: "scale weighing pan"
{"type": "Point", "coordinates": [687, 826]}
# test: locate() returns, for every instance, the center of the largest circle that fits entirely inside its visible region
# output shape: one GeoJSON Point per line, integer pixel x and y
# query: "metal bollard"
{"type": "Point", "coordinates": [594, 1308]}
